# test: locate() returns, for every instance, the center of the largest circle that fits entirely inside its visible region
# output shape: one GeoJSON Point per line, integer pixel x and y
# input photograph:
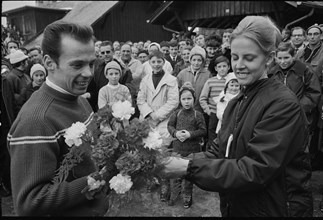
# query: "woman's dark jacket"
{"type": "Point", "coordinates": [267, 172]}
{"type": "Point", "coordinates": [303, 82]}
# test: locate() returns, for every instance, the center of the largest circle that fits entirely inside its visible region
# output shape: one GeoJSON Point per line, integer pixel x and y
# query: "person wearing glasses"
{"type": "Point", "coordinates": [298, 40]}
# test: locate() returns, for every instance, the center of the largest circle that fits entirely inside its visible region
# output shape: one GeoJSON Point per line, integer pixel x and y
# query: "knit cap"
{"type": "Point", "coordinates": [230, 77]}
{"type": "Point", "coordinates": [154, 44]}
{"type": "Point", "coordinates": [197, 50]}
{"type": "Point", "coordinates": [314, 26]}
{"type": "Point", "coordinates": [187, 86]}
{"type": "Point", "coordinates": [36, 67]}
{"type": "Point", "coordinates": [112, 65]}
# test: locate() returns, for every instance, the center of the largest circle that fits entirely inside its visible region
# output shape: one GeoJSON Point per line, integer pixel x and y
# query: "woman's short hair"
{"type": "Point", "coordinates": [261, 30]}
{"type": "Point", "coordinates": [52, 39]}
{"type": "Point", "coordinates": [286, 46]}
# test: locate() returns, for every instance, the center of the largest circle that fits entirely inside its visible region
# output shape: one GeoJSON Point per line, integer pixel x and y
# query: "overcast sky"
{"type": "Point", "coordinates": [8, 5]}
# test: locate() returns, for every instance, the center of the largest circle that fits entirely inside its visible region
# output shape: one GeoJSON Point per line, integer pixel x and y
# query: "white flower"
{"type": "Point", "coordinates": [94, 184]}
{"type": "Point", "coordinates": [153, 141]}
{"type": "Point", "coordinates": [74, 133]}
{"type": "Point", "coordinates": [122, 110]}
{"type": "Point", "coordinates": [120, 183]}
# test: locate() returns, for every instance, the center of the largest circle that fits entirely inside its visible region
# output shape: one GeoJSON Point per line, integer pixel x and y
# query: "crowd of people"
{"type": "Point", "coordinates": [244, 111]}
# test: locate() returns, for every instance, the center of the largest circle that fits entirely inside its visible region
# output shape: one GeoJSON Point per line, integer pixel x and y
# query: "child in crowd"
{"type": "Point", "coordinates": [197, 75]}
{"type": "Point", "coordinates": [113, 91]}
{"type": "Point", "coordinates": [212, 88]}
{"type": "Point", "coordinates": [157, 99]}
{"type": "Point", "coordinates": [231, 90]}
{"type": "Point", "coordinates": [37, 75]}
{"type": "Point", "coordinates": [188, 127]}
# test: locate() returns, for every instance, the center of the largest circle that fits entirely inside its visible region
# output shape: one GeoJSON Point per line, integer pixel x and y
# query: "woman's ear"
{"type": "Point", "coordinates": [49, 63]}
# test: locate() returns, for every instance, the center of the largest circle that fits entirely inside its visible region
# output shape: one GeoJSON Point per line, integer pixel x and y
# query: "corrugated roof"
{"type": "Point", "coordinates": [84, 12]}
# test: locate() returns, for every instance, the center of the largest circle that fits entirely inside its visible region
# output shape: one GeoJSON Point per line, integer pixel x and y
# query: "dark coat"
{"type": "Point", "coordinates": [303, 82]}
{"type": "Point", "coordinates": [266, 172]}
{"type": "Point", "coordinates": [172, 62]}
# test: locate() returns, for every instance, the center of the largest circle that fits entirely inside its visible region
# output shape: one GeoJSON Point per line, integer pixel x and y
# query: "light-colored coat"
{"type": "Point", "coordinates": [162, 101]}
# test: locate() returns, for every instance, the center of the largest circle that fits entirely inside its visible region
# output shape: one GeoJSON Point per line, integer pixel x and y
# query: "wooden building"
{"type": "Point", "coordinates": [116, 20]}
{"type": "Point", "coordinates": [178, 15]}
{"type": "Point", "coordinates": [31, 20]}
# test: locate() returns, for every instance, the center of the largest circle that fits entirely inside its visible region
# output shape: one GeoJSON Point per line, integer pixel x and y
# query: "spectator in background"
{"type": "Point", "coordinates": [312, 55]}
{"type": "Point", "coordinates": [226, 51]}
{"type": "Point", "coordinates": [300, 79]}
{"type": "Point", "coordinates": [297, 39]}
{"type": "Point", "coordinates": [286, 33]}
{"type": "Point", "coordinates": [38, 76]}
{"type": "Point", "coordinates": [18, 79]}
{"type": "Point", "coordinates": [197, 75]}
{"type": "Point", "coordinates": [143, 56]}
{"type": "Point", "coordinates": [164, 47]}
{"type": "Point", "coordinates": [116, 45]}
{"type": "Point", "coordinates": [173, 56]}
{"type": "Point", "coordinates": [158, 97]}
{"type": "Point", "coordinates": [134, 52]}
{"type": "Point", "coordinates": [146, 67]}
{"type": "Point", "coordinates": [35, 55]}
{"type": "Point", "coordinates": [212, 89]}
{"type": "Point", "coordinates": [213, 50]}
{"type": "Point", "coordinates": [24, 50]}
{"type": "Point", "coordinates": [113, 91]}
{"type": "Point", "coordinates": [140, 45]}
{"type": "Point", "coordinates": [12, 45]}
{"type": "Point", "coordinates": [200, 40]}
{"type": "Point", "coordinates": [184, 63]}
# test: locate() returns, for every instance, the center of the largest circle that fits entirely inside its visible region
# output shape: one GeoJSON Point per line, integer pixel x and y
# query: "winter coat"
{"type": "Point", "coordinates": [315, 60]}
{"type": "Point", "coordinates": [186, 75]}
{"type": "Point", "coordinates": [162, 101]}
{"type": "Point", "coordinates": [18, 81]}
{"type": "Point", "coordinates": [303, 82]}
{"type": "Point", "coordinates": [30, 89]}
{"type": "Point", "coordinates": [264, 171]}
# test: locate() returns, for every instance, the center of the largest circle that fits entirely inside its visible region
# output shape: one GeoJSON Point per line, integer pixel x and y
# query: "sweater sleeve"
{"type": "Point", "coordinates": [201, 126]}
{"type": "Point", "coordinates": [204, 97]}
{"type": "Point", "coordinates": [33, 190]}
{"type": "Point", "coordinates": [171, 125]}
{"type": "Point", "coordinates": [103, 97]}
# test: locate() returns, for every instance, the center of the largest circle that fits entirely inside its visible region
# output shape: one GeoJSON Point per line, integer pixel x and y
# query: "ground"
{"type": "Point", "coordinates": [205, 204]}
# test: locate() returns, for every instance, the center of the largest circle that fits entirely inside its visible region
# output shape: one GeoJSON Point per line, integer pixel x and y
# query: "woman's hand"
{"type": "Point", "coordinates": [175, 167]}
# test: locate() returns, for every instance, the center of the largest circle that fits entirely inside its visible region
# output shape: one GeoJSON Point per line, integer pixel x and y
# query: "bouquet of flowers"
{"type": "Point", "coordinates": [125, 154]}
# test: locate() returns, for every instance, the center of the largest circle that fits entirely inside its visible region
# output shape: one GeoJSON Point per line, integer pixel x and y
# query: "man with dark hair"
{"type": "Point", "coordinates": [12, 45]}
{"type": "Point", "coordinates": [35, 55]}
{"type": "Point", "coordinates": [297, 38]}
{"type": "Point", "coordinates": [173, 56]}
{"type": "Point", "coordinates": [36, 141]}
{"type": "Point", "coordinates": [164, 47]}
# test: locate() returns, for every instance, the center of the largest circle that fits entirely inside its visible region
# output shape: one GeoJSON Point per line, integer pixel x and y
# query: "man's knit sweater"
{"type": "Point", "coordinates": [37, 147]}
